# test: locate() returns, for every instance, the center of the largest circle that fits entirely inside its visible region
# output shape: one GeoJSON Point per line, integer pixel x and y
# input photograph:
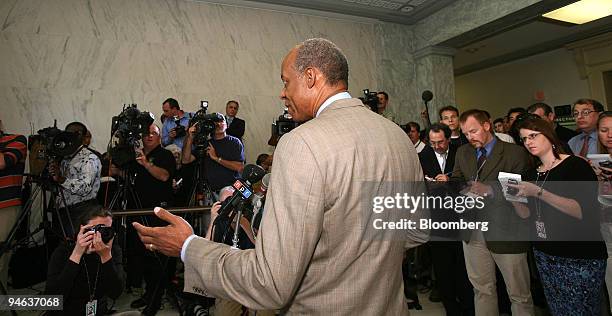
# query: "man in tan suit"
{"type": "Point", "coordinates": [316, 252]}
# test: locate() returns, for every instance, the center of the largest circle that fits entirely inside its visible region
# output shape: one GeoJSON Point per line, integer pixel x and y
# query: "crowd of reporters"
{"type": "Point", "coordinates": [86, 268]}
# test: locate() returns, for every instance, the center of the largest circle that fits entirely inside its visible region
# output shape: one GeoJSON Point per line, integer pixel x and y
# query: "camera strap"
{"type": "Point", "coordinates": [92, 293]}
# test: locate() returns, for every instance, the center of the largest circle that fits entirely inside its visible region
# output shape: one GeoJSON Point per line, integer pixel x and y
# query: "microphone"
{"type": "Point", "coordinates": [265, 182]}
{"type": "Point", "coordinates": [427, 96]}
{"type": "Point", "coordinates": [242, 188]}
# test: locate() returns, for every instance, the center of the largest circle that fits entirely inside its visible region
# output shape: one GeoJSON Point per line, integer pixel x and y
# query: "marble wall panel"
{"type": "Point", "coordinates": [82, 60]}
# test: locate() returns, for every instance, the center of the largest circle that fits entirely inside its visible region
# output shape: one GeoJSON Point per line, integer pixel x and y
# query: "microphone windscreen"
{"type": "Point", "coordinates": [427, 96]}
{"type": "Point", "coordinates": [265, 181]}
{"type": "Point", "coordinates": [253, 173]}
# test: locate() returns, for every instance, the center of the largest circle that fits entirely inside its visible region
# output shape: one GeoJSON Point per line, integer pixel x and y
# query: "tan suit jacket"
{"type": "Point", "coordinates": [312, 255]}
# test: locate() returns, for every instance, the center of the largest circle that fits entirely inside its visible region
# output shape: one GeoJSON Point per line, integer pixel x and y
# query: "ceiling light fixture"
{"type": "Point", "coordinates": [582, 11]}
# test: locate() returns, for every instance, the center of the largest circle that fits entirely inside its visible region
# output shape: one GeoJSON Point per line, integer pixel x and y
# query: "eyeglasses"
{"type": "Point", "coordinates": [583, 113]}
{"type": "Point", "coordinates": [531, 136]}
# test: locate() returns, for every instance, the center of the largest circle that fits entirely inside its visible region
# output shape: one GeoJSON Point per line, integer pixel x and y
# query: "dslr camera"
{"type": "Point", "coordinates": [106, 232]}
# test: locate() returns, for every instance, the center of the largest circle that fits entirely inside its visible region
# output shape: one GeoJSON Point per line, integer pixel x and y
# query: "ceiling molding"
{"type": "Point", "coordinates": [534, 50]}
{"type": "Point", "coordinates": [289, 9]}
{"type": "Point", "coordinates": [505, 23]}
{"type": "Point", "coordinates": [435, 50]}
{"type": "Point", "coordinates": [344, 8]}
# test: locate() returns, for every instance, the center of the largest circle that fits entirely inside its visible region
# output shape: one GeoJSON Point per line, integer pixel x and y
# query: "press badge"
{"type": "Point", "coordinates": [540, 229]}
{"type": "Point", "coordinates": [90, 308]}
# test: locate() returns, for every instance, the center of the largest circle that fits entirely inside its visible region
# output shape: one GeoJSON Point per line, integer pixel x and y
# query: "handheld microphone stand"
{"type": "Point", "coordinates": [427, 96]}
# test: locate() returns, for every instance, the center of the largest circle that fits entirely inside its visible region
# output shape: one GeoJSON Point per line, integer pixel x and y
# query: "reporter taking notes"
{"type": "Point", "coordinates": [311, 255]}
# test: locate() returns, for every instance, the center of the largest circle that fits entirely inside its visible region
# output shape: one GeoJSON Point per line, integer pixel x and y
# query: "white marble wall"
{"type": "Point", "coordinates": [397, 74]}
{"type": "Point", "coordinates": [434, 71]}
{"type": "Point", "coordinates": [81, 60]}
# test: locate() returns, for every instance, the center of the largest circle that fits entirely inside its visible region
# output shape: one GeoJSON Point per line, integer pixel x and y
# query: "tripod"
{"type": "Point", "coordinates": [201, 194]}
{"type": "Point", "coordinates": [126, 197]}
{"type": "Point", "coordinates": [42, 185]}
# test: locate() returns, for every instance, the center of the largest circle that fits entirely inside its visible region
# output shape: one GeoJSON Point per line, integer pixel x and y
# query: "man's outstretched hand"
{"type": "Point", "coordinates": [168, 239]}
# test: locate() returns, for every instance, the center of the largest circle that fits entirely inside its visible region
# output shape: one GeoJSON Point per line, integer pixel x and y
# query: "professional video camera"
{"type": "Point", "coordinates": [370, 99]}
{"type": "Point", "coordinates": [127, 130]}
{"type": "Point", "coordinates": [55, 143]}
{"type": "Point", "coordinates": [205, 124]}
{"type": "Point", "coordinates": [283, 125]}
{"type": "Point", "coordinates": [180, 129]}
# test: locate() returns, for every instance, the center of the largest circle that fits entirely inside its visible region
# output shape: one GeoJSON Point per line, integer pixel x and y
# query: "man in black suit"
{"type": "Point", "coordinates": [437, 161]}
{"type": "Point", "coordinates": [545, 112]}
{"type": "Point", "coordinates": [235, 126]}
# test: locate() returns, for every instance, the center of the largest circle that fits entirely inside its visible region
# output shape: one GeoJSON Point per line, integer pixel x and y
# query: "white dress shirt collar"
{"type": "Point", "coordinates": [330, 100]}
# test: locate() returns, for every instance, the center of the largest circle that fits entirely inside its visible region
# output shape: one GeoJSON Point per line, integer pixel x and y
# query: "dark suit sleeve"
{"type": "Point", "coordinates": [237, 127]}
{"type": "Point", "coordinates": [457, 175]}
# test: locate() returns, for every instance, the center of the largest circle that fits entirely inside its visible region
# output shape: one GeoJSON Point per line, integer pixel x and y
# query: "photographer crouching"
{"type": "Point", "coordinates": [89, 271]}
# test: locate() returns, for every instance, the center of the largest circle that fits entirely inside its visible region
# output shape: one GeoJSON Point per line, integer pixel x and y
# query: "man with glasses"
{"type": "Point", "coordinates": [585, 112]}
{"type": "Point", "coordinates": [154, 169]}
{"type": "Point", "coordinates": [438, 161]}
{"type": "Point", "coordinates": [545, 112]}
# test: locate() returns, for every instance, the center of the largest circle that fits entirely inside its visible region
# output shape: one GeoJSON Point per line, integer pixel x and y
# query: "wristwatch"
{"type": "Point", "coordinates": [218, 159]}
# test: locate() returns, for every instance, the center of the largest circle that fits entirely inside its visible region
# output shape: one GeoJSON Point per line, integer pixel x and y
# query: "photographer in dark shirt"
{"type": "Point", "coordinates": [224, 159]}
{"type": "Point", "coordinates": [154, 170]}
{"type": "Point", "coordinates": [89, 271]}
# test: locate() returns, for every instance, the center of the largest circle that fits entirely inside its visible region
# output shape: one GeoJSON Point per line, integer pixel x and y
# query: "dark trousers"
{"type": "Point", "coordinates": [155, 268]}
{"type": "Point", "coordinates": [452, 280]}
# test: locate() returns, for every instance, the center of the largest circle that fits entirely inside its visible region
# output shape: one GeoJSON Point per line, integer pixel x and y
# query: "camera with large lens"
{"type": "Point", "coordinates": [55, 144]}
{"type": "Point", "coordinates": [205, 124]}
{"type": "Point", "coordinates": [370, 98]}
{"type": "Point", "coordinates": [283, 125]}
{"type": "Point", "coordinates": [107, 233]}
{"type": "Point", "coordinates": [127, 130]}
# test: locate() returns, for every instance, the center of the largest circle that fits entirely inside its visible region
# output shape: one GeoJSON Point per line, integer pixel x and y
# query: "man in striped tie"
{"type": "Point", "coordinates": [585, 112]}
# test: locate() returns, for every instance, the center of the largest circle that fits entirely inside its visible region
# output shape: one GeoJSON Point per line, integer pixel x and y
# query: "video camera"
{"type": "Point", "coordinates": [180, 129]}
{"type": "Point", "coordinates": [370, 98]}
{"type": "Point", "coordinates": [205, 124]}
{"type": "Point", "coordinates": [127, 130]}
{"type": "Point", "coordinates": [55, 143]}
{"type": "Point", "coordinates": [284, 124]}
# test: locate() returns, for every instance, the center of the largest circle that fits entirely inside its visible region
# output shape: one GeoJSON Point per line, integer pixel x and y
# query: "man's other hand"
{"type": "Point", "coordinates": [168, 239]}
